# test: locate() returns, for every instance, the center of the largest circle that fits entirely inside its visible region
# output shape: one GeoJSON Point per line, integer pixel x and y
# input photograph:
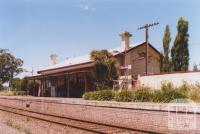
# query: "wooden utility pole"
{"type": "Point", "coordinates": [146, 27]}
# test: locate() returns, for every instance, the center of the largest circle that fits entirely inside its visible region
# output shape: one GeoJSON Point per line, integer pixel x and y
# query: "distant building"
{"type": "Point", "coordinates": [72, 77]}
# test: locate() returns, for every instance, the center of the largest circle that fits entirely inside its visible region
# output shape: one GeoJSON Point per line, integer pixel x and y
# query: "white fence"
{"type": "Point", "coordinates": [177, 79]}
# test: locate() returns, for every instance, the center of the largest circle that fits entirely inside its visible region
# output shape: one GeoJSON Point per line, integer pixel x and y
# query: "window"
{"type": "Point", "coordinates": [141, 55]}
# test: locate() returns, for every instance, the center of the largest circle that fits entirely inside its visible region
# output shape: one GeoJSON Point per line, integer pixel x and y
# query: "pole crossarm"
{"type": "Point", "coordinates": [147, 26]}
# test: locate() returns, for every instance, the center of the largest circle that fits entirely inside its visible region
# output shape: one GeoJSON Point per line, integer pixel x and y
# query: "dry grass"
{"type": "Point", "coordinates": [12, 93]}
{"type": "Point", "coordinates": [6, 93]}
{"type": "Point", "coordinates": [194, 93]}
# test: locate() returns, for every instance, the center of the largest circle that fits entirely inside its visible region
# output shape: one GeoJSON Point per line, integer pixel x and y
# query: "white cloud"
{"type": "Point", "coordinates": [87, 7]}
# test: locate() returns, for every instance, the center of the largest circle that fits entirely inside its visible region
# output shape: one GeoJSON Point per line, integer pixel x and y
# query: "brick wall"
{"type": "Point", "coordinates": [150, 117]}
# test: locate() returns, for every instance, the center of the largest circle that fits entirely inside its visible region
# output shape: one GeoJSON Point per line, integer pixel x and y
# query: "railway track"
{"type": "Point", "coordinates": [92, 127]}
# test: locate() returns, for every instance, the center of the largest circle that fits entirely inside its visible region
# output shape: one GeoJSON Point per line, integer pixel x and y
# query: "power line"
{"type": "Point", "coordinates": [146, 27]}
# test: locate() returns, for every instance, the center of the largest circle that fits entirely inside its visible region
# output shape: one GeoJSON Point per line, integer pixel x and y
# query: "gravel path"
{"type": "Point", "coordinates": [5, 129]}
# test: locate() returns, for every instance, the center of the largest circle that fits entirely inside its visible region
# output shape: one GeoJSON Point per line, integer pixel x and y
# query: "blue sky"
{"type": "Point", "coordinates": [33, 29]}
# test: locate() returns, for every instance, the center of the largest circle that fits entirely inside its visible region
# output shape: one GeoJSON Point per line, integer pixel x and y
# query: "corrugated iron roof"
{"type": "Point", "coordinates": [86, 58]}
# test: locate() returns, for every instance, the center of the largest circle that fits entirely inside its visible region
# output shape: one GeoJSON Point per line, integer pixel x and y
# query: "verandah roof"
{"type": "Point", "coordinates": [39, 76]}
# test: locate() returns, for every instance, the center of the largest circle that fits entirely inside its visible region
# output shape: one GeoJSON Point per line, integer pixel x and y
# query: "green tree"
{"type": "Point", "coordinates": [105, 68]}
{"type": "Point", "coordinates": [180, 51]}
{"type": "Point", "coordinates": [16, 84]}
{"type": "Point", "coordinates": [32, 87]}
{"type": "Point", "coordinates": [24, 84]}
{"type": "Point", "coordinates": [161, 62]}
{"type": "Point", "coordinates": [1, 86]}
{"type": "Point", "coordinates": [165, 60]}
{"type": "Point", "coordinates": [9, 66]}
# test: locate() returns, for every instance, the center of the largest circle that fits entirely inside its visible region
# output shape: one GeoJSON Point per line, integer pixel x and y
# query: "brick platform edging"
{"type": "Point", "coordinates": [138, 116]}
{"type": "Point", "coordinates": [112, 104]}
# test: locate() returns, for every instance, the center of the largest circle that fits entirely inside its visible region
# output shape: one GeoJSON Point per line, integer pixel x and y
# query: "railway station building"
{"type": "Point", "coordinates": [73, 76]}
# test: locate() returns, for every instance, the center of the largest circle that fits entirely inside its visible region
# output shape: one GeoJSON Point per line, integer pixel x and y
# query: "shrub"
{"type": "Point", "coordinates": [103, 95]}
{"type": "Point", "coordinates": [16, 84]}
{"type": "Point", "coordinates": [167, 93]}
{"type": "Point", "coordinates": [124, 96]}
{"type": "Point", "coordinates": [91, 95]}
{"type": "Point", "coordinates": [143, 95]}
{"type": "Point", "coordinates": [184, 88]}
{"type": "Point", "coordinates": [166, 86]}
{"type": "Point", "coordinates": [86, 95]}
{"type": "Point", "coordinates": [158, 96]}
{"type": "Point", "coordinates": [171, 94]}
{"type": "Point", "coordinates": [194, 93]}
